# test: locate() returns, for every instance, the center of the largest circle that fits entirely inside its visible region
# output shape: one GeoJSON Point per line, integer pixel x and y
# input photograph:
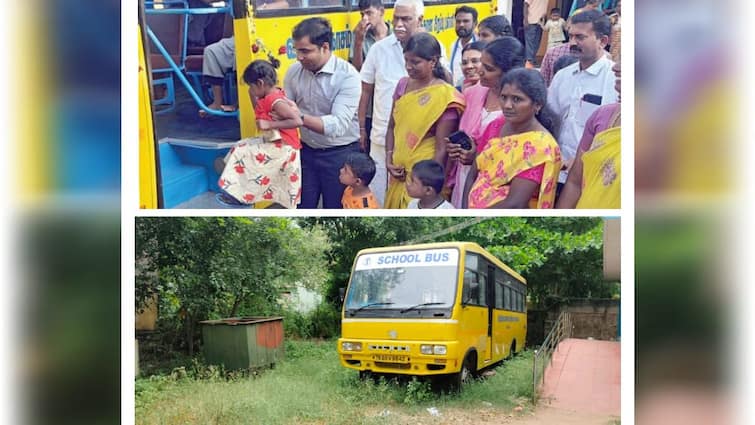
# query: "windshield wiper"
{"type": "Point", "coordinates": [419, 305]}
{"type": "Point", "coordinates": [353, 312]}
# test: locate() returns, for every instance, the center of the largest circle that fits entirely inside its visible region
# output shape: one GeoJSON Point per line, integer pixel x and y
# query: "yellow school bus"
{"type": "Point", "coordinates": [436, 309]}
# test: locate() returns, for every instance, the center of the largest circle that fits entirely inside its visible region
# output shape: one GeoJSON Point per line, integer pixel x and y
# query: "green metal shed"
{"type": "Point", "coordinates": [243, 342]}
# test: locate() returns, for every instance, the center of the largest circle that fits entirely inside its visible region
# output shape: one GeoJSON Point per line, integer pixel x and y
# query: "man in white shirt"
{"type": "Point", "coordinates": [466, 21]}
{"type": "Point", "coordinates": [580, 88]}
{"type": "Point", "coordinates": [381, 71]}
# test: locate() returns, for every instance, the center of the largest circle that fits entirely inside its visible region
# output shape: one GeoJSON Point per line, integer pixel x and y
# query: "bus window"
{"type": "Point", "coordinates": [469, 290]}
{"type": "Point", "coordinates": [386, 3]}
{"type": "Point", "coordinates": [483, 290]}
{"type": "Point", "coordinates": [475, 281]}
{"type": "Point", "coordinates": [273, 4]}
{"type": "Point", "coordinates": [507, 298]}
{"type": "Point", "coordinates": [262, 5]}
{"type": "Point", "coordinates": [499, 288]}
{"type": "Point", "coordinates": [390, 282]}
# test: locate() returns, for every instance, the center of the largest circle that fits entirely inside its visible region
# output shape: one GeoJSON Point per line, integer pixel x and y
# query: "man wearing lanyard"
{"type": "Point", "coordinates": [466, 21]}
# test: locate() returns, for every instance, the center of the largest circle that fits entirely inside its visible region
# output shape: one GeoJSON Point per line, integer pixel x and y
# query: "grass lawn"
{"type": "Point", "coordinates": [310, 386]}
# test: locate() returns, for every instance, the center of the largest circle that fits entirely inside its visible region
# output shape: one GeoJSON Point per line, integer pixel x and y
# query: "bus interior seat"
{"type": "Point", "coordinates": [194, 63]}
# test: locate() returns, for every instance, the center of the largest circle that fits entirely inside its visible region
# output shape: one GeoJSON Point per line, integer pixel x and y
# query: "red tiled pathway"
{"type": "Point", "coordinates": [585, 376]}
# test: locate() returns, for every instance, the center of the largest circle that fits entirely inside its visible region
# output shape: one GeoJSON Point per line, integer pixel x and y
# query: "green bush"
{"type": "Point", "coordinates": [326, 321]}
{"type": "Point", "coordinates": [323, 322]}
{"type": "Point", "coordinates": [296, 325]}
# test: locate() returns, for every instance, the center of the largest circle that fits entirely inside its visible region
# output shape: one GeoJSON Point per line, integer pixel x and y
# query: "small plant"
{"type": "Point", "coordinates": [417, 391]}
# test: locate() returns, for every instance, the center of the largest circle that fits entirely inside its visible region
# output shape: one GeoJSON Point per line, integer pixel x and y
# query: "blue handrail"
{"type": "Point", "coordinates": [189, 11]}
{"type": "Point", "coordinates": [184, 81]}
{"type": "Point", "coordinates": [182, 10]}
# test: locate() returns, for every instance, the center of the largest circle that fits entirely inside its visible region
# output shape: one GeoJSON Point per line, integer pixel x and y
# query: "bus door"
{"type": "Point", "coordinates": [499, 316]}
{"type": "Point", "coordinates": [490, 297]}
{"type": "Point", "coordinates": [474, 322]}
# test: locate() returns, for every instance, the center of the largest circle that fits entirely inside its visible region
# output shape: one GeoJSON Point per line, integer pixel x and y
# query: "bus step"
{"type": "Point", "coordinates": [181, 181]}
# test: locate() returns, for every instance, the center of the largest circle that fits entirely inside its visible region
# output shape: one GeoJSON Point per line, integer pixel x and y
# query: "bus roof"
{"type": "Point", "coordinates": [466, 246]}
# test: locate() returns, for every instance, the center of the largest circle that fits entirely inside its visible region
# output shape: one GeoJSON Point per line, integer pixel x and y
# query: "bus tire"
{"type": "Point", "coordinates": [512, 352]}
{"type": "Point", "coordinates": [466, 374]}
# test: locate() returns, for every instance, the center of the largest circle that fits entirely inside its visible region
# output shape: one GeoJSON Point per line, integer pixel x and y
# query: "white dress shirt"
{"type": "Point", "coordinates": [383, 69]}
{"type": "Point", "coordinates": [565, 98]}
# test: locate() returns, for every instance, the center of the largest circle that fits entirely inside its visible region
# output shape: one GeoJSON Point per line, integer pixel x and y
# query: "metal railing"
{"type": "Point", "coordinates": [560, 331]}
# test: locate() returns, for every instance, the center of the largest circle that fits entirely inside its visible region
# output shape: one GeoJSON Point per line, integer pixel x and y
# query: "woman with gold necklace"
{"type": "Point", "coordinates": [426, 109]}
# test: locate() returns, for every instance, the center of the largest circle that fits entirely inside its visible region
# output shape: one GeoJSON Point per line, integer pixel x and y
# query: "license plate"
{"type": "Point", "coordinates": [390, 358]}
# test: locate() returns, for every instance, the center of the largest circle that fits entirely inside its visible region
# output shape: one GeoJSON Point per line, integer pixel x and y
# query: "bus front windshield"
{"type": "Point", "coordinates": [403, 284]}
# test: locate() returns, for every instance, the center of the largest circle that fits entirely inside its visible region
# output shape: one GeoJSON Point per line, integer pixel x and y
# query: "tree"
{"type": "Point", "coordinates": [262, 256]}
{"type": "Point", "coordinates": [208, 267]}
{"type": "Point", "coordinates": [559, 256]}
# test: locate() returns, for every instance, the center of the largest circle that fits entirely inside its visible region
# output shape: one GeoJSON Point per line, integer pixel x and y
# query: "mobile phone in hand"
{"type": "Point", "coordinates": [462, 139]}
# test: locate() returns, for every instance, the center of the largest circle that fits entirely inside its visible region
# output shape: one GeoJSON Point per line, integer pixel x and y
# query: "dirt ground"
{"type": "Point", "coordinates": [542, 415]}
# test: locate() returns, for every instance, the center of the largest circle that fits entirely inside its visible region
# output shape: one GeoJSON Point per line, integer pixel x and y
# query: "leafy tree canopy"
{"type": "Point", "coordinates": [559, 256]}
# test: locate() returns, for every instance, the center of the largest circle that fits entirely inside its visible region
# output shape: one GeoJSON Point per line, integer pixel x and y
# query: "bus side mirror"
{"type": "Point", "coordinates": [341, 293]}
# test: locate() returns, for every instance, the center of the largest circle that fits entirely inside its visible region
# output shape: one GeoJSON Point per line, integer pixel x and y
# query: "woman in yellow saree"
{"type": "Point", "coordinates": [519, 169]}
{"type": "Point", "coordinates": [594, 180]}
{"type": "Point", "coordinates": [426, 110]}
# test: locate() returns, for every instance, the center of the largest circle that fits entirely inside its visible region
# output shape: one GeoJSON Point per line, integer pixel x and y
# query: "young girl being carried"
{"type": "Point", "coordinates": [266, 168]}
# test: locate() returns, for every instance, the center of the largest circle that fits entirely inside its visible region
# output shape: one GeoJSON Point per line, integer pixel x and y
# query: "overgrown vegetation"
{"type": "Point", "coordinates": [310, 386]}
{"type": "Point", "coordinates": [560, 257]}
{"type": "Point", "coordinates": [213, 267]}
{"type": "Point", "coordinates": [323, 322]}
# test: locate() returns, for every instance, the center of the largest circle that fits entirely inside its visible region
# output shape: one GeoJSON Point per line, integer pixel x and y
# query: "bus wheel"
{"type": "Point", "coordinates": [465, 375]}
{"type": "Point", "coordinates": [512, 352]}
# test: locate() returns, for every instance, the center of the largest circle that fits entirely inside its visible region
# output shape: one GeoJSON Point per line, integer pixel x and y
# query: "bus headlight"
{"type": "Point", "coordinates": [351, 346]}
{"type": "Point", "coordinates": [432, 349]}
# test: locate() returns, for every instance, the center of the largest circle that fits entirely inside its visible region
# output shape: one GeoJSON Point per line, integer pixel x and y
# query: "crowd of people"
{"type": "Point", "coordinates": [400, 126]}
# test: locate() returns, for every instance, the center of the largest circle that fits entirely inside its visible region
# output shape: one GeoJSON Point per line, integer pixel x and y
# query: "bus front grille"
{"type": "Point", "coordinates": [393, 365]}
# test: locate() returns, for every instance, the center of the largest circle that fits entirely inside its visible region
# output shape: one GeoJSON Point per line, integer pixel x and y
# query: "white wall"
{"type": "Point", "coordinates": [302, 300]}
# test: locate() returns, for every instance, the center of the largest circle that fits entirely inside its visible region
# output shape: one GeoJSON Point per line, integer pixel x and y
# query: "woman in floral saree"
{"type": "Point", "coordinates": [519, 169]}
{"type": "Point", "coordinates": [426, 110]}
{"type": "Point", "coordinates": [482, 119]}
